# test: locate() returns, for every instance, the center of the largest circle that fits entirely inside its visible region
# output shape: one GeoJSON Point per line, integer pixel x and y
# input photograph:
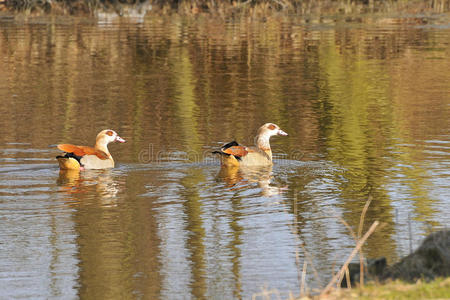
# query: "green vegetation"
{"type": "Point", "coordinates": [437, 289]}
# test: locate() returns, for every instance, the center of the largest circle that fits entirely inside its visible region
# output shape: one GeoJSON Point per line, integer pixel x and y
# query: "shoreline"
{"type": "Point", "coordinates": [258, 9]}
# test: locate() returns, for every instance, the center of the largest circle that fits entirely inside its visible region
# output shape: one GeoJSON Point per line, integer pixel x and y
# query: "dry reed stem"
{"type": "Point", "coordinates": [349, 259]}
{"type": "Point", "coordinates": [360, 229]}
{"type": "Point", "coordinates": [356, 242]}
{"type": "Point", "coordinates": [316, 274]}
{"type": "Point", "coordinates": [339, 276]}
{"type": "Point", "coordinates": [266, 294]}
{"type": "Point", "coordinates": [302, 275]}
{"type": "Point", "coordinates": [291, 296]}
{"type": "Point", "coordinates": [347, 278]}
{"type": "Point", "coordinates": [297, 263]}
{"type": "Point", "coordinates": [357, 238]}
{"type": "Point", "coordinates": [295, 233]}
{"type": "Point", "coordinates": [303, 280]}
{"type": "Point", "coordinates": [363, 215]}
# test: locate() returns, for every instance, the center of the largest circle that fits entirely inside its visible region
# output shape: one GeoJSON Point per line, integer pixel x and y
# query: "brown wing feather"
{"type": "Point", "coordinates": [92, 151]}
{"type": "Point", "coordinates": [238, 151]}
{"type": "Point", "coordinates": [82, 150]}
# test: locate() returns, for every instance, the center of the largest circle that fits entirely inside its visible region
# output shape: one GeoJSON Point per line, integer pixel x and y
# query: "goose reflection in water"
{"type": "Point", "coordinates": [102, 182]}
{"type": "Point", "coordinates": [238, 178]}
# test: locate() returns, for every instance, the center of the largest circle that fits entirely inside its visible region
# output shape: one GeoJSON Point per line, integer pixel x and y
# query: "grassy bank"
{"type": "Point", "coordinates": [398, 290]}
{"type": "Point", "coordinates": [437, 289]}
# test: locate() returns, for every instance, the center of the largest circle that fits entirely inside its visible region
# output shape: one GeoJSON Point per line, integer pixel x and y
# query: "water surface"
{"type": "Point", "coordinates": [365, 102]}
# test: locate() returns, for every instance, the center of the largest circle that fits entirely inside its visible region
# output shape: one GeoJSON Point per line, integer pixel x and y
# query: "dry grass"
{"type": "Point", "coordinates": [226, 8]}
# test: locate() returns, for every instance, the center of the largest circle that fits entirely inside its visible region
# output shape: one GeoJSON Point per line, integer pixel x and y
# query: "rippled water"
{"type": "Point", "coordinates": [365, 102]}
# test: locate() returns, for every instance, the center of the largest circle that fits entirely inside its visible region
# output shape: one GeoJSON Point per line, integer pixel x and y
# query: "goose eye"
{"type": "Point", "coordinates": [272, 127]}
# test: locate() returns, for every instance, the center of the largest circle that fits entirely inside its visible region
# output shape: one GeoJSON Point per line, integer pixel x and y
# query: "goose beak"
{"type": "Point", "coordinates": [119, 139]}
{"type": "Point", "coordinates": [281, 132]}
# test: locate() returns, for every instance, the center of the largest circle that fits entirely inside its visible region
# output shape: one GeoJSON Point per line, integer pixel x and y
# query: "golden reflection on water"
{"type": "Point", "coordinates": [72, 182]}
{"type": "Point", "coordinates": [240, 178]}
{"type": "Point", "coordinates": [117, 246]}
{"type": "Point", "coordinates": [365, 105]}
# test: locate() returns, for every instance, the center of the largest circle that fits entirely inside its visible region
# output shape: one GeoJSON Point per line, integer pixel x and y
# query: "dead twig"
{"type": "Point", "coordinates": [308, 259]}
{"type": "Point", "coordinates": [347, 278]}
{"type": "Point", "coordinates": [303, 280]}
{"type": "Point", "coordinates": [267, 294]}
{"type": "Point", "coordinates": [316, 274]}
{"type": "Point", "coordinates": [349, 259]}
{"type": "Point", "coordinates": [360, 229]}
{"type": "Point", "coordinates": [356, 239]}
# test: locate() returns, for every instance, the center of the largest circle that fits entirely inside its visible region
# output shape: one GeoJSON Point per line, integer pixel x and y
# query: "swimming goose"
{"type": "Point", "coordinates": [233, 154]}
{"type": "Point", "coordinates": [85, 157]}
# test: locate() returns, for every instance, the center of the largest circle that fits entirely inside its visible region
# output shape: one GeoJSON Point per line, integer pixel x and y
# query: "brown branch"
{"type": "Point", "coordinates": [349, 259]}
{"type": "Point", "coordinates": [360, 229]}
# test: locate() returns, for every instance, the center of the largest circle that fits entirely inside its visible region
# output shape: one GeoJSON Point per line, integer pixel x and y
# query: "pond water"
{"type": "Point", "coordinates": [365, 102]}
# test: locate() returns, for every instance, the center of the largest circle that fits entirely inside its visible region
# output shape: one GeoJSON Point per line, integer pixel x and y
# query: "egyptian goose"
{"type": "Point", "coordinates": [85, 157]}
{"type": "Point", "coordinates": [233, 154]}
